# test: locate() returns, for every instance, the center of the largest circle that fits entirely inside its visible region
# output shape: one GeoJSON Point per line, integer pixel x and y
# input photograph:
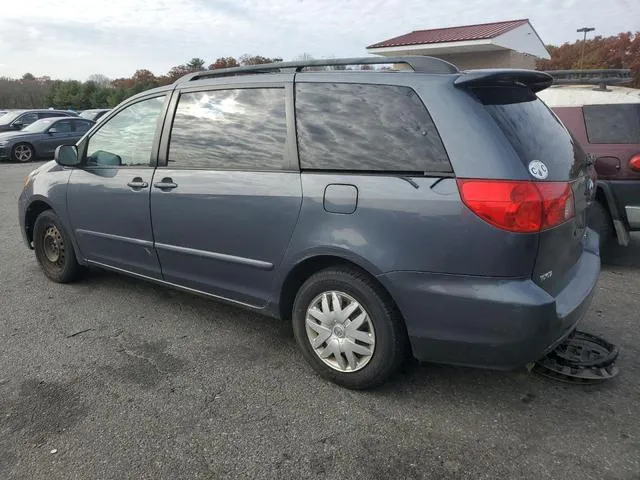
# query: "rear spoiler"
{"type": "Point", "coordinates": [497, 77]}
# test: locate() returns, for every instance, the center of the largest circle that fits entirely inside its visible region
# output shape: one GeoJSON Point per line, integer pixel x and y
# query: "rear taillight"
{"type": "Point", "coordinates": [519, 206]}
{"type": "Point", "coordinates": [634, 163]}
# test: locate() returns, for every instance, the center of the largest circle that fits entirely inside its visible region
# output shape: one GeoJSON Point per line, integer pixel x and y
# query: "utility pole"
{"type": "Point", "coordinates": [584, 30]}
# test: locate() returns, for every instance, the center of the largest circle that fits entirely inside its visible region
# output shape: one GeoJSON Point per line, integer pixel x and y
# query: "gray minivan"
{"type": "Point", "coordinates": [385, 212]}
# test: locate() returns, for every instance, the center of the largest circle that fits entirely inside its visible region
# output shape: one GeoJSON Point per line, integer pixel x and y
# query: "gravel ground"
{"type": "Point", "coordinates": [164, 385]}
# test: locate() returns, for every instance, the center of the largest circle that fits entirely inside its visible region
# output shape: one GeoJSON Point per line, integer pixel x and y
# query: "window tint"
{"type": "Point", "coordinates": [82, 127]}
{"type": "Point", "coordinates": [127, 138]}
{"type": "Point", "coordinates": [230, 129]}
{"type": "Point", "coordinates": [51, 114]}
{"type": "Point", "coordinates": [613, 123]}
{"type": "Point", "coordinates": [536, 134]}
{"type": "Point", "coordinates": [366, 127]}
{"type": "Point", "coordinates": [62, 127]}
{"type": "Point", "coordinates": [28, 118]}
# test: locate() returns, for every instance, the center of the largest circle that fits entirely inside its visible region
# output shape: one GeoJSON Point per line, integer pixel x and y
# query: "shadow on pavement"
{"type": "Point", "coordinates": [617, 256]}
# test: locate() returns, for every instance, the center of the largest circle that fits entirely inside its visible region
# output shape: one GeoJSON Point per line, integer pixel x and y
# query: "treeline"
{"type": "Point", "coordinates": [618, 51]}
{"type": "Point", "coordinates": [99, 91]}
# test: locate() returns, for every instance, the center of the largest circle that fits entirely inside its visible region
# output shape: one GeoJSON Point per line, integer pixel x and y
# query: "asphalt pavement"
{"type": "Point", "coordinates": [115, 378]}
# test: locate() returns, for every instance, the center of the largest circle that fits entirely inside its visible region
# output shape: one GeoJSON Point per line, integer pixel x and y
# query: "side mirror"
{"type": "Point", "coordinates": [67, 156]}
{"type": "Point", "coordinates": [17, 125]}
{"type": "Point", "coordinates": [53, 130]}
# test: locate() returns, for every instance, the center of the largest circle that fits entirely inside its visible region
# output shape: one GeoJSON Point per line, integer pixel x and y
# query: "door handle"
{"type": "Point", "coordinates": [165, 184]}
{"type": "Point", "coordinates": [137, 182]}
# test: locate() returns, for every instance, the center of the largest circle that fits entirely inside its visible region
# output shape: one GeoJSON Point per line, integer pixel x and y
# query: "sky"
{"type": "Point", "coordinates": [73, 39]}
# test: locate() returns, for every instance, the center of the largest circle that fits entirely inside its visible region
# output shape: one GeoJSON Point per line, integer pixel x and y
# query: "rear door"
{"type": "Point", "coordinates": [226, 199]}
{"type": "Point", "coordinates": [550, 154]}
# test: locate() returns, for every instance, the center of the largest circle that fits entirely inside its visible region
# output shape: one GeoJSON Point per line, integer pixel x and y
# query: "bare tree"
{"type": "Point", "coordinates": [99, 79]}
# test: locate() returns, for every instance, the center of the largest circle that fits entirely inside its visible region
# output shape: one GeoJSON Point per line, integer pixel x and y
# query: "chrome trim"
{"type": "Point", "coordinates": [110, 236]}
{"type": "Point", "coordinates": [633, 216]}
{"type": "Point", "coordinates": [173, 285]}
{"type": "Point", "coordinates": [250, 262]}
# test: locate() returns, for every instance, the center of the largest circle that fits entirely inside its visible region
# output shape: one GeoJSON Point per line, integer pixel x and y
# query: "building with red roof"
{"type": "Point", "coordinates": [509, 44]}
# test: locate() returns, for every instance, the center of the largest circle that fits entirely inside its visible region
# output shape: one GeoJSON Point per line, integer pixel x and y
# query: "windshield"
{"type": "Point", "coordinates": [39, 126]}
{"type": "Point", "coordinates": [10, 116]}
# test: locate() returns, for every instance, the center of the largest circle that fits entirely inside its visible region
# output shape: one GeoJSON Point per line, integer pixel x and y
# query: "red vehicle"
{"type": "Point", "coordinates": [605, 119]}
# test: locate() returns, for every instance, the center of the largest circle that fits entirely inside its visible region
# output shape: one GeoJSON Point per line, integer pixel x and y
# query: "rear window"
{"type": "Point", "coordinates": [355, 127]}
{"type": "Point", "coordinates": [536, 134]}
{"type": "Point", "coordinates": [615, 123]}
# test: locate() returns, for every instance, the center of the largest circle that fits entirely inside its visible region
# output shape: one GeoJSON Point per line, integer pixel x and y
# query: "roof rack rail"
{"type": "Point", "coordinates": [418, 63]}
{"type": "Point", "coordinates": [600, 77]}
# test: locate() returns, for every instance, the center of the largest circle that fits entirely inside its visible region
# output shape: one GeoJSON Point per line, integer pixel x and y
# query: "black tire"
{"type": "Point", "coordinates": [391, 341]}
{"type": "Point", "coordinates": [50, 236]}
{"type": "Point", "coordinates": [600, 221]}
{"type": "Point", "coordinates": [23, 153]}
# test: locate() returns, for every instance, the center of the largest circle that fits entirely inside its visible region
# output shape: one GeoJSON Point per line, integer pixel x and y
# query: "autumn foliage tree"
{"type": "Point", "coordinates": [619, 51]}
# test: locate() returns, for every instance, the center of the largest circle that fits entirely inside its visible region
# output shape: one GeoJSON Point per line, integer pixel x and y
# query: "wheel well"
{"type": "Point", "coordinates": [35, 209]}
{"type": "Point", "coordinates": [25, 143]}
{"type": "Point", "coordinates": [301, 272]}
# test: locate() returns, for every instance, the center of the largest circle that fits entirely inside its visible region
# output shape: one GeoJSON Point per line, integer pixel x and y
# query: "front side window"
{"type": "Point", "coordinates": [613, 123]}
{"type": "Point", "coordinates": [126, 139]}
{"type": "Point", "coordinates": [242, 129]}
{"type": "Point", "coordinates": [361, 127]}
{"type": "Point", "coordinates": [27, 118]}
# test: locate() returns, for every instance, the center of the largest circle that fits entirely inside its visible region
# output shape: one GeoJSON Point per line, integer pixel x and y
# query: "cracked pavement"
{"type": "Point", "coordinates": [128, 380]}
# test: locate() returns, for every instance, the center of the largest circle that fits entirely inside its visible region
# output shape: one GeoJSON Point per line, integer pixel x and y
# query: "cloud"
{"type": "Point", "coordinates": [75, 38]}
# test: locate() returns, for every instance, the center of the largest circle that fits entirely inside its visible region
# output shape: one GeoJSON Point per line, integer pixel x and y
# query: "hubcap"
{"type": "Point", "coordinates": [53, 246]}
{"type": "Point", "coordinates": [23, 153]}
{"type": "Point", "coordinates": [340, 331]}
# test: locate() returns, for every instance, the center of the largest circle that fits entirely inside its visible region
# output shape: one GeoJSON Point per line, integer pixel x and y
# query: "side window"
{"type": "Point", "coordinates": [366, 128]}
{"type": "Point", "coordinates": [127, 138]}
{"type": "Point", "coordinates": [50, 114]}
{"type": "Point", "coordinates": [27, 118]}
{"type": "Point", "coordinates": [242, 129]}
{"type": "Point", "coordinates": [614, 123]}
{"type": "Point", "coordinates": [81, 126]}
{"type": "Point", "coordinates": [62, 127]}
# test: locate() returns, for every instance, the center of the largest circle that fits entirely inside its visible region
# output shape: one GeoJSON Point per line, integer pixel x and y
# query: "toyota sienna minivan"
{"type": "Point", "coordinates": [406, 209]}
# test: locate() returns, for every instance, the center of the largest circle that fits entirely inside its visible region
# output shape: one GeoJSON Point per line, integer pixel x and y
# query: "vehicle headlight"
{"type": "Point", "coordinates": [4, 143]}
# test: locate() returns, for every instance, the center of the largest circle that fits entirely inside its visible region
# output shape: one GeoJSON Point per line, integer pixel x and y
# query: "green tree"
{"type": "Point", "coordinates": [195, 64]}
{"type": "Point", "coordinates": [28, 76]}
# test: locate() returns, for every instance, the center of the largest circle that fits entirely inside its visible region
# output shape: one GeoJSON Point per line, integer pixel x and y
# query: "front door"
{"type": "Point", "coordinates": [59, 133]}
{"type": "Point", "coordinates": [225, 205]}
{"type": "Point", "coordinates": [108, 196]}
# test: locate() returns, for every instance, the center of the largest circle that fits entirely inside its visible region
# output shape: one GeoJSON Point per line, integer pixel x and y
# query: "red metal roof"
{"type": "Point", "coordinates": [452, 34]}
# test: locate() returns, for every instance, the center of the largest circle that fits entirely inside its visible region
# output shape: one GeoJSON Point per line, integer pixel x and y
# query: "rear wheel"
{"type": "Point", "coordinates": [348, 328]}
{"type": "Point", "coordinates": [22, 152]}
{"type": "Point", "coordinates": [54, 250]}
{"type": "Point", "coordinates": [600, 221]}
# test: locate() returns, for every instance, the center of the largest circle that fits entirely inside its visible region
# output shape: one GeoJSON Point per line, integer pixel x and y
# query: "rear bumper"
{"type": "Point", "coordinates": [490, 322]}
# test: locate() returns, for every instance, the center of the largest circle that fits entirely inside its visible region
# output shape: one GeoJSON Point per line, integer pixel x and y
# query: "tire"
{"type": "Point", "coordinates": [54, 250]}
{"type": "Point", "coordinates": [600, 221]}
{"type": "Point", "coordinates": [23, 153]}
{"type": "Point", "coordinates": [378, 340]}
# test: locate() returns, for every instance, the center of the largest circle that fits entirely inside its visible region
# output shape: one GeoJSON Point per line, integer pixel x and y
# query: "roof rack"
{"type": "Point", "coordinates": [601, 78]}
{"type": "Point", "coordinates": [417, 63]}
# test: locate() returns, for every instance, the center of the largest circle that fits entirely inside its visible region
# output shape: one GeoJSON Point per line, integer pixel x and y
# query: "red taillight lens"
{"type": "Point", "coordinates": [518, 206]}
{"type": "Point", "coordinates": [634, 163]}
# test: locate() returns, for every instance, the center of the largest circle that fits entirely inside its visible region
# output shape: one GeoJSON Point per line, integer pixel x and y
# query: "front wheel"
{"type": "Point", "coordinates": [348, 328]}
{"type": "Point", "coordinates": [54, 250]}
{"type": "Point", "coordinates": [23, 152]}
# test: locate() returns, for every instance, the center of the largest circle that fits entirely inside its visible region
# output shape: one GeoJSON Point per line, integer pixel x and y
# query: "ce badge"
{"type": "Point", "coordinates": [538, 169]}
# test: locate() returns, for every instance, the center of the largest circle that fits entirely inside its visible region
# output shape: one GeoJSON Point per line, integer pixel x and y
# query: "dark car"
{"type": "Point", "coordinates": [433, 212]}
{"type": "Point", "coordinates": [18, 119]}
{"type": "Point", "coordinates": [607, 124]}
{"type": "Point", "coordinates": [41, 138]}
{"type": "Point", "coordinates": [94, 114]}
